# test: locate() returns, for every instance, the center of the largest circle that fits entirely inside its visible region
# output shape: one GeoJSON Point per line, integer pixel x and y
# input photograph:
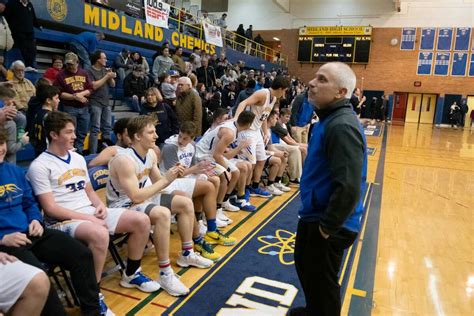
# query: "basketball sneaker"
{"type": "Point", "coordinates": [172, 284]}
{"type": "Point", "coordinates": [260, 192]}
{"type": "Point", "coordinates": [194, 259]}
{"type": "Point", "coordinates": [229, 207]}
{"type": "Point", "coordinates": [140, 281]}
{"type": "Point", "coordinates": [218, 238]}
{"type": "Point", "coordinates": [222, 217]}
{"type": "Point", "coordinates": [243, 205]}
{"type": "Point", "coordinates": [104, 310]}
{"type": "Point", "coordinates": [207, 251]}
{"type": "Point", "coordinates": [273, 190]}
{"type": "Point", "coordinates": [280, 186]}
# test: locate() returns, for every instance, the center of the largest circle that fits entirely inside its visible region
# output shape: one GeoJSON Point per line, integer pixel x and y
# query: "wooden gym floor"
{"type": "Point", "coordinates": [415, 254]}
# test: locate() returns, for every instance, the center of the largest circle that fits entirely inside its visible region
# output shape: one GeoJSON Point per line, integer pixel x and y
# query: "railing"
{"type": "Point", "coordinates": [190, 24]}
{"type": "Point", "coordinates": [185, 22]}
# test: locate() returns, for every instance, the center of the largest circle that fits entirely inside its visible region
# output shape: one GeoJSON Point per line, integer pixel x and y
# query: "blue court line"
{"type": "Point", "coordinates": [365, 273]}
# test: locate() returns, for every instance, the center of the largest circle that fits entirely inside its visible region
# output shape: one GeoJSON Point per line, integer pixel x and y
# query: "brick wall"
{"type": "Point", "coordinates": [389, 69]}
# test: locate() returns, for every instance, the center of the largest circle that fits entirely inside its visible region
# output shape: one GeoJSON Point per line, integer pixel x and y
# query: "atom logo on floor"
{"type": "Point", "coordinates": [282, 244]}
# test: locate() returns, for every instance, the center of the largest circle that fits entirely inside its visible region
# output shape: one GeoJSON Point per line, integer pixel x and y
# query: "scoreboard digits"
{"type": "Point", "coordinates": [320, 48]}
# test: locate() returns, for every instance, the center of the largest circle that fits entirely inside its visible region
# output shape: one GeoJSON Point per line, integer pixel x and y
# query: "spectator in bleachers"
{"type": "Point", "coordinates": [168, 86]}
{"type": "Point", "coordinates": [134, 87]}
{"type": "Point", "coordinates": [248, 42]}
{"type": "Point", "coordinates": [222, 22]}
{"type": "Point", "coordinates": [229, 96]}
{"type": "Point", "coordinates": [240, 38]}
{"type": "Point", "coordinates": [222, 64]}
{"type": "Point", "coordinates": [194, 82]}
{"type": "Point", "coordinates": [122, 64]}
{"type": "Point", "coordinates": [13, 122]}
{"type": "Point", "coordinates": [22, 235]}
{"type": "Point", "coordinates": [100, 110]}
{"type": "Point", "coordinates": [178, 61]}
{"type": "Point", "coordinates": [6, 39]}
{"type": "Point", "coordinates": [188, 104]}
{"type": "Point", "coordinates": [260, 42]}
{"type": "Point", "coordinates": [162, 63]}
{"type": "Point", "coordinates": [206, 74]}
{"type": "Point", "coordinates": [138, 59]}
{"type": "Point", "coordinates": [84, 44]}
{"type": "Point", "coordinates": [34, 105]}
{"type": "Point", "coordinates": [75, 87]}
{"type": "Point", "coordinates": [24, 90]}
{"type": "Point", "coordinates": [196, 54]}
{"type": "Point", "coordinates": [227, 78]}
{"type": "Point", "coordinates": [166, 120]}
{"type": "Point", "coordinates": [48, 97]}
{"type": "Point", "coordinates": [21, 18]}
{"type": "Point", "coordinates": [244, 94]}
{"type": "Point", "coordinates": [213, 62]}
{"type": "Point", "coordinates": [57, 66]}
{"type": "Point", "coordinates": [205, 18]}
{"type": "Point", "coordinates": [301, 115]}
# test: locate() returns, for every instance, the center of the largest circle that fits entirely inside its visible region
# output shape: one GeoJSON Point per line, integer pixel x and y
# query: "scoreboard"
{"type": "Point", "coordinates": [334, 43]}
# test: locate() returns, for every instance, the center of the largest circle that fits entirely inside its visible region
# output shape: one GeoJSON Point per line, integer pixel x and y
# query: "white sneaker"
{"type": "Point", "coordinates": [202, 228]}
{"type": "Point", "coordinates": [220, 223]}
{"type": "Point", "coordinates": [104, 310]}
{"type": "Point", "coordinates": [280, 186]}
{"type": "Point", "coordinates": [273, 190]}
{"type": "Point", "coordinates": [194, 259]}
{"type": "Point", "coordinates": [171, 284]}
{"type": "Point", "coordinates": [140, 281]}
{"type": "Point", "coordinates": [229, 207]}
{"type": "Point", "coordinates": [222, 217]}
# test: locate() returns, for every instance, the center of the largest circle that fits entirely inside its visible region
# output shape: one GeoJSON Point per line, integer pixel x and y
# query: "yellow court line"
{"type": "Point", "coordinates": [357, 292]}
{"type": "Point", "coordinates": [350, 249]}
{"type": "Point", "coordinates": [190, 295]}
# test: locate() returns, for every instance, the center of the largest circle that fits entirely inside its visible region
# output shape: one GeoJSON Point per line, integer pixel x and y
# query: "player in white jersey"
{"type": "Point", "coordinates": [128, 172]}
{"type": "Point", "coordinates": [215, 145]}
{"type": "Point", "coordinates": [261, 103]}
{"type": "Point", "coordinates": [60, 180]}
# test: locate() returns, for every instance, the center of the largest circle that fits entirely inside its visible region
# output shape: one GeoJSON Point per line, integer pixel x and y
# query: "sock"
{"type": "Point", "coordinates": [234, 192]}
{"type": "Point", "coordinates": [277, 179]}
{"type": "Point", "coordinates": [241, 197]}
{"type": "Point", "coordinates": [248, 187]}
{"type": "Point", "coordinates": [211, 225]}
{"type": "Point", "coordinates": [255, 185]}
{"type": "Point", "coordinates": [165, 267]}
{"type": "Point", "coordinates": [270, 182]}
{"type": "Point", "coordinates": [198, 240]}
{"type": "Point", "coordinates": [187, 247]}
{"type": "Point", "coordinates": [132, 266]}
{"type": "Point", "coordinates": [226, 197]}
{"type": "Point", "coordinates": [219, 204]}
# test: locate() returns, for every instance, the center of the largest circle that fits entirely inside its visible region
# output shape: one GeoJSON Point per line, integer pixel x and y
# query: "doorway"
{"type": "Point", "coordinates": [470, 104]}
{"type": "Point", "coordinates": [420, 108]}
{"type": "Point", "coordinates": [399, 106]}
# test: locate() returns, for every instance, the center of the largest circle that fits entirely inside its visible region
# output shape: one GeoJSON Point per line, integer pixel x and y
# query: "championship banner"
{"type": "Point", "coordinates": [425, 61]}
{"type": "Point", "coordinates": [463, 37]}
{"type": "Point", "coordinates": [471, 66]}
{"type": "Point", "coordinates": [458, 69]}
{"type": "Point", "coordinates": [213, 34]}
{"type": "Point", "coordinates": [427, 41]}
{"type": "Point", "coordinates": [442, 64]}
{"type": "Point", "coordinates": [445, 38]}
{"type": "Point", "coordinates": [408, 38]}
{"type": "Point", "coordinates": [157, 13]}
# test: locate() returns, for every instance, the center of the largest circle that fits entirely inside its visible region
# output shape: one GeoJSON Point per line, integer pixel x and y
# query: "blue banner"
{"type": "Point", "coordinates": [463, 38]}
{"type": "Point", "coordinates": [425, 61]}
{"type": "Point", "coordinates": [428, 35]}
{"type": "Point", "coordinates": [408, 38]}
{"type": "Point", "coordinates": [441, 67]}
{"type": "Point", "coordinates": [459, 64]}
{"type": "Point", "coordinates": [471, 66]}
{"type": "Point", "coordinates": [445, 38]}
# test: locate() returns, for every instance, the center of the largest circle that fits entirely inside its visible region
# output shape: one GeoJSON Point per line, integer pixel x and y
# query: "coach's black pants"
{"type": "Point", "coordinates": [317, 262]}
{"type": "Point", "coordinates": [57, 248]}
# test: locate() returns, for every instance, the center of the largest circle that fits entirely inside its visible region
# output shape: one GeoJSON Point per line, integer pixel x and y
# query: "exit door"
{"type": "Point", "coordinates": [399, 106]}
{"type": "Point", "coordinates": [421, 108]}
